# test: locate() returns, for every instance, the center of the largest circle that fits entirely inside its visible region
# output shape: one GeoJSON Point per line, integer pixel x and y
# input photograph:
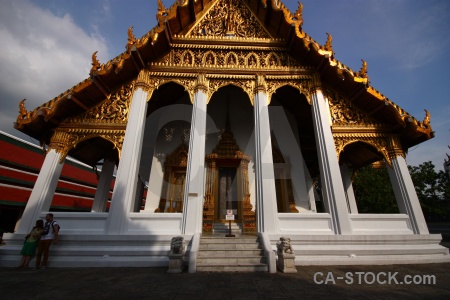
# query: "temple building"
{"type": "Point", "coordinates": [227, 110]}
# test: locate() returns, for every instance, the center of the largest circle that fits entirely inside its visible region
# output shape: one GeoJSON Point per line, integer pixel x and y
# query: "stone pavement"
{"type": "Point", "coordinates": [155, 283]}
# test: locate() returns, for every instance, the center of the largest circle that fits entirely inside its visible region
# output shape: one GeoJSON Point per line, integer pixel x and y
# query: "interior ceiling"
{"type": "Point", "coordinates": [359, 154]}
{"type": "Point", "coordinates": [93, 150]}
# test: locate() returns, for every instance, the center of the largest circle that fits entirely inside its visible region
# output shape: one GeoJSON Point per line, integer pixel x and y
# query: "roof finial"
{"type": "Point", "coordinates": [328, 44]}
{"type": "Point", "coordinates": [95, 63]}
{"type": "Point", "coordinates": [363, 72]}
{"type": "Point", "coordinates": [22, 110]}
{"type": "Point", "coordinates": [299, 14]}
{"type": "Point", "coordinates": [131, 40]}
{"type": "Point", "coordinates": [426, 120]}
{"type": "Point", "coordinates": [161, 14]}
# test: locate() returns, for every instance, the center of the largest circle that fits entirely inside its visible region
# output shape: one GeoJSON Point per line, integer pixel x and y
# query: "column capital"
{"type": "Point", "coordinates": [395, 147]}
{"type": "Point", "coordinates": [316, 83]}
{"type": "Point", "coordinates": [261, 84]}
{"type": "Point", "coordinates": [143, 80]}
{"type": "Point", "coordinates": [201, 84]}
{"type": "Point", "coordinates": [61, 142]}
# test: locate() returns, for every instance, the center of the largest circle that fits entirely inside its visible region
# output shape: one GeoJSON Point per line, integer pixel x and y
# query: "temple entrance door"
{"type": "Point", "coordinates": [228, 195]}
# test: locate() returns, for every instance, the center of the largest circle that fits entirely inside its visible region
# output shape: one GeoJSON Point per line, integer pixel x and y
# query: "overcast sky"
{"type": "Point", "coordinates": [46, 48]}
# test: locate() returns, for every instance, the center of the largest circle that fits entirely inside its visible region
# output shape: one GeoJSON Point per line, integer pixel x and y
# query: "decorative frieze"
{"type": "Point", "coordinates": [222, 58]}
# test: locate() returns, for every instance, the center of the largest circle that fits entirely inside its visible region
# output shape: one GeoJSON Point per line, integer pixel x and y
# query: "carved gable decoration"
{"type": "Point", "coordinates": [114, 109]}
{"type": "Point", "coordinates": [229, 18]}
{"type": "Point", "coordinates": [343, 111]}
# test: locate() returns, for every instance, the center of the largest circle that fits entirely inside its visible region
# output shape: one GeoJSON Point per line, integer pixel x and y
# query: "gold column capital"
{"type": "Point", "coordinates": [395, 147]}
{"type": "Point", "coordinates": [202, 83]}
{"type": "Point", "coordinates": [316, 83]}
{"type": "Point", "coordinates": [143, 80]}
{"type": "Point", "coordinates": [61, 142]}
{"type": "Point", "coordinates": [261, 84]}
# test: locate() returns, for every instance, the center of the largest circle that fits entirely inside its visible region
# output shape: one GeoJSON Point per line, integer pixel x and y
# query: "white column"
{"type": "Point", "coordinates": [266, 198]}
{"type": "Point", "coordinates": [43, 191]}
{"type": "Point", "coordinates": [405, 194]}
{"type": "Point", "coordinates": [127, 173]}
{"type": "Point", "coordinates": [155, 186]}
{"type": "Point", "coordinates": [195, 173]}
{"type": "Point", "coordinates": [331, 181]}
{"type": "Point", "coordinates": [348, 188]}
{"type": "Point", "coordinates": [103, 186]}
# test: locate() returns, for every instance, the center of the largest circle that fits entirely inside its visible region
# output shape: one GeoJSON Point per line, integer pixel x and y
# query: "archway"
{"type": "Point", "coordinates": [294, 151]}
{"type": "Point", "coordinates": [167, 127]}
{"type": "Point", "coordinates": [229, 185]}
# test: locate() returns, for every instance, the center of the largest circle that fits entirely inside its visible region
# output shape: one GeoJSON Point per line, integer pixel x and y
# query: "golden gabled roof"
{"type": "Point", "coordinates": [178, 22]}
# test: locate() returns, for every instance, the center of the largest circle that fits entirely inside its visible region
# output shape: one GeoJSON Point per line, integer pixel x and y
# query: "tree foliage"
{"type": "Point", "coordinates": [373, 191]}
{"type": "Point", "coordinates": [433, 189]}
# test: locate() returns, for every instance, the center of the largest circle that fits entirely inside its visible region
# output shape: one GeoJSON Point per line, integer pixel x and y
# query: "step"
{"type": "Point", "coordinates": [229, 240]}
{"type": "Point", "coordinates": [225, 228]}
{"type": "Point", "coordinates": [226, 225]}
{"type": "Point", "coordinates": [224, 232]}
{"type": "Point", "coordinates": [246, 260]}
{"type": "Point", "coordinates": [230, 253]}
{"type": "Point", "coordinates": [232, 268]}
{"type": "Point", "coordinates": [228, 246]}
{"type": "Point", "coordinates": [242, 253]}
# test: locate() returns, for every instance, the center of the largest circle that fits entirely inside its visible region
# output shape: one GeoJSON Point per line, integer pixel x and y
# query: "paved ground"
{"type": "Point", "coordinates": [155, 283]}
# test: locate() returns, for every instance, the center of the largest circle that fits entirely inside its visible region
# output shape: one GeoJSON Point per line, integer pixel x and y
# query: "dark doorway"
{"type": "Point", "coordinates": [227, 192]}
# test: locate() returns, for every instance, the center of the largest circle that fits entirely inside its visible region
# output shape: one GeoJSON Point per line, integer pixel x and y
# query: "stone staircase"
{"type": "Point", "coordinates": [223, 228]}
{"type": "Point", "coordinates": [242, 253]}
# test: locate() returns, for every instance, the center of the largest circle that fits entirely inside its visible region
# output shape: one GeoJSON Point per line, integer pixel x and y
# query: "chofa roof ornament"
{"type": "Point", "coordinates": [131, 40]}
{"type": "Point", "coordinates": [298, 15]}
{"type": "Point", "coordinates": [161, 14]}
{"type": "Point", "coordinates": [95, 64]}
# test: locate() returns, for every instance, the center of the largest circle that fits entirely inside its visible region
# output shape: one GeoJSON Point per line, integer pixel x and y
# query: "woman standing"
{"type": "Point", "coordinates": [31, 243]}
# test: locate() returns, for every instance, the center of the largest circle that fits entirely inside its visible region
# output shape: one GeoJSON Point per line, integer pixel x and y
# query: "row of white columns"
{"type": "Point", "coordinates": [339, 202]}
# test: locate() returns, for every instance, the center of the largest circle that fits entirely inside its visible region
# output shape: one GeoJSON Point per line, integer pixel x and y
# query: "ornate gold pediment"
{"type": "Point", "coordinates": [107, 120]}
{"type": "Point", "coordinates": [228, 18]}
{"type": "Point", "coordinates": [114, 109]}
{"type": "Point", "coordinates": [343, 112]}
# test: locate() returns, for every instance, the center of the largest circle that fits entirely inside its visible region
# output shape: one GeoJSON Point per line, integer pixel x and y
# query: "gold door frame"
{"type": "Point", "coordinates": [227, 153]}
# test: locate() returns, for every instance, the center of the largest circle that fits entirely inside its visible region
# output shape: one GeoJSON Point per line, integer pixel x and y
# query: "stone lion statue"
{"type": "Point", "coordinates": [177, 245]}
{"type": "Point", "coordinates": [284, 246]}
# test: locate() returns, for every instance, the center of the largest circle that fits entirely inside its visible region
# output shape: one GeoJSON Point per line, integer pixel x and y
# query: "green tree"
{"type": "Point", "coordinates": [373, 191]}
{"type": "Point", "coordinates": [432, 188]}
